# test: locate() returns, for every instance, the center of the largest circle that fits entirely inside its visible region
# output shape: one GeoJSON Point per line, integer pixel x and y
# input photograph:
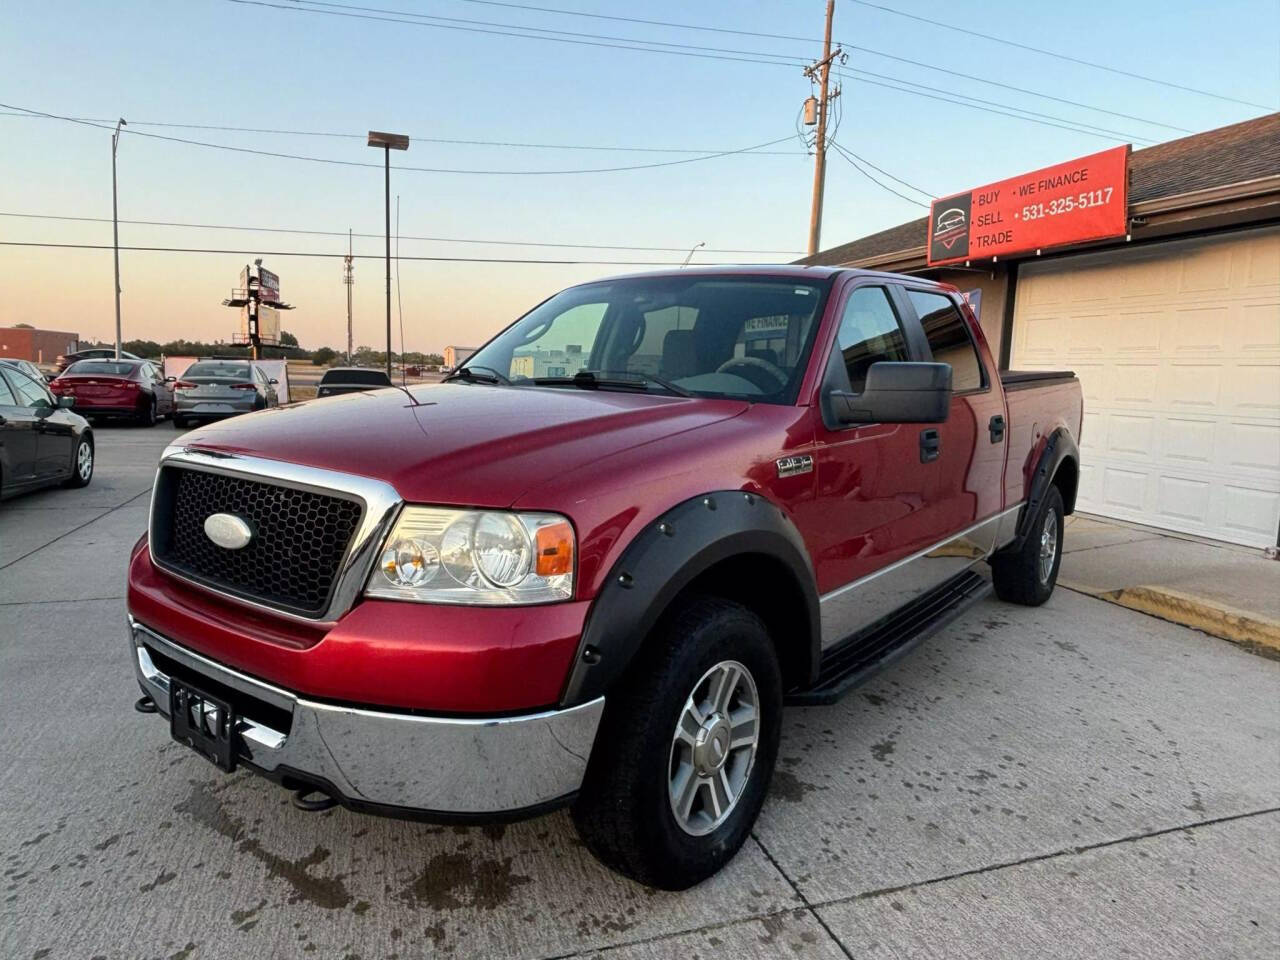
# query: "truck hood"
{"type": "Point", "coordinates": [459, 443]}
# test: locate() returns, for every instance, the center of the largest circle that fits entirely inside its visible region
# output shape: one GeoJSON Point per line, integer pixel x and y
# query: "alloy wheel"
{"type": "Point", "coordinates": [84, 461]}
{"type": "Point", "coordinates": [1048, 545]}
{"type": "Point", "coordinates": [713, 748]}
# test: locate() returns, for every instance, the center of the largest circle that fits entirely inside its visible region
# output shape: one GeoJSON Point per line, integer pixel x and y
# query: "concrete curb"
{"type": "Point", "coordinates": [1251, 631]}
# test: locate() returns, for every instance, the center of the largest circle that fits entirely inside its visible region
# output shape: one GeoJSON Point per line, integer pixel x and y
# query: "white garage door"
{"type": "Point", "coordinates": [1177, 347]}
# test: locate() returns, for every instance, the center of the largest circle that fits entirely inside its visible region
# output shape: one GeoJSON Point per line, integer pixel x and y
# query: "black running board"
{"type": "Point", "coordinates": [860, 657]}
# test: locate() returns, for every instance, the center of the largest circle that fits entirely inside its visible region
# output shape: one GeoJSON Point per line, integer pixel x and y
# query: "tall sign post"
{"type": "Point", "coordinates": [388, 142]}
{"type": "Point", "coordinates": [258, 298]}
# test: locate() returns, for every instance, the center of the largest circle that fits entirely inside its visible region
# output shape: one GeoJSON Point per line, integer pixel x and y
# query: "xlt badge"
{"type": "Point", "coordinates": [790, 466]}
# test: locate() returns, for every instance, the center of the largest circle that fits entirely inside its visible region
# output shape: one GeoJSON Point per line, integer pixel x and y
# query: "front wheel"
{"type": "Point", "coordinates": [1029, 575]}
{"type": "Point", "coordinates": [82, 466]}
{"type": "Point", "coordinates": [686, 748]}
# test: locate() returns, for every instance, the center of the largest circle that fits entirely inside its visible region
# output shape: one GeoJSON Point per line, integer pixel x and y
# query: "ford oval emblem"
{"type": "Point", "coordinates": [227, 531]}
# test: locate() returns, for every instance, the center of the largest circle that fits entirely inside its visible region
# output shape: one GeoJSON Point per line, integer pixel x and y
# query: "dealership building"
{"type": "Point", "coordinates": [1172, 324]}
{"type": "Point", "coordinates": [38, 346]}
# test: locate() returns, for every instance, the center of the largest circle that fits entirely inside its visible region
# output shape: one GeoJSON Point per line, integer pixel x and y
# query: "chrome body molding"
{"type": "Point", "coordinates": [449, 765]}
{"type": "Point", "coordinates": [848, 609]}
{"type": "Point", "coordinates": [381, 506]}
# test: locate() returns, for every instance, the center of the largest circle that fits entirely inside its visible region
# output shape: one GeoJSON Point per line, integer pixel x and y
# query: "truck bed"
{"type": "Point", "coordinates": [1039, 402]}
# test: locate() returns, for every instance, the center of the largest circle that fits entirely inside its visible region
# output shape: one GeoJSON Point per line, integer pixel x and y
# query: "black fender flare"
{"type": "Point", "coordinates": [664, 558]}
{"type": "Point", "coordinates": [1058, 449]}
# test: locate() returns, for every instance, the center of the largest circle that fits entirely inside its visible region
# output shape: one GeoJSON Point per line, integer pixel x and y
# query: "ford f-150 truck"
{"type": "Point", "coordinates": [592, 565]}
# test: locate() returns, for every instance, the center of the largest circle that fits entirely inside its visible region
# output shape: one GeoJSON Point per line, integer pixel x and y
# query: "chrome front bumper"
{"type": "Point", "coordinates": [469, 767]}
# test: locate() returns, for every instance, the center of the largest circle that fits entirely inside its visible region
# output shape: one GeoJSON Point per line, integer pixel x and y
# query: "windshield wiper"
{"type": "Point", "coordinates": [469, 372]}
{"type": "Point", "coordinates": [595, 379]}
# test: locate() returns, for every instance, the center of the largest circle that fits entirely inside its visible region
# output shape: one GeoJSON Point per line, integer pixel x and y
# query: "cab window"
{"type": "Point", "coordinates": [869, 333]}
{"type": "Point", "coordinates": [30, 393]}
{"type": "Point", "coordinates": [949, 340]}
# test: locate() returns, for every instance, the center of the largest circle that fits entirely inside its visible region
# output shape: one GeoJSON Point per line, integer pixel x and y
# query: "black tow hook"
{"type": "Point", "coordinates": [303, 800]}
{"type": "Point", "coordinates": [145, 705]}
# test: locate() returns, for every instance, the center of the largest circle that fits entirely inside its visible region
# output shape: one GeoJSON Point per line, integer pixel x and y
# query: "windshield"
{"type": "Point", "coordinates": [745, 337]}
{"type": "Point", "coordinates": [229, 371]}
{"type": "Point", "coordinates": [104, 368]}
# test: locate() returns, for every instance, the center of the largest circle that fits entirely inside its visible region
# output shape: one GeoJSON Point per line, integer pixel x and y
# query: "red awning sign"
{"type": "Point", "coordinates": [1084, 199]}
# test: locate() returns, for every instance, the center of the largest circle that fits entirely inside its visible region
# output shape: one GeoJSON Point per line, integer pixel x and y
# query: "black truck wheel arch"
{"type": "Point", "coordinates": [693, 540]}
{"type": "Point", "coordinates": [1060, 453]}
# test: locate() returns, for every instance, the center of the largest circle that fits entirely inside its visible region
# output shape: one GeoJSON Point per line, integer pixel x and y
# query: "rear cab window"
{"type": "Point", "coordinates": [949, 339]}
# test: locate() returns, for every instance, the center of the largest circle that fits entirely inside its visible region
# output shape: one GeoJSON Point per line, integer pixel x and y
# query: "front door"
{"type": "Point", "coordinates": [18, 436]}
{"type": "Point", "coordinates": [878, 498]}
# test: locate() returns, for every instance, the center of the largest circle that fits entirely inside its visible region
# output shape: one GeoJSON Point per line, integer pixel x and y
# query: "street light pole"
{"type": "Point", "coordinates": [388, 142]}
{"type": "Point", "coordinates": [115, 227]}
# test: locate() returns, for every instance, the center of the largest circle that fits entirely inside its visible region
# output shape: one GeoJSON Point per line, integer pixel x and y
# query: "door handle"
{"type": "Point", "coordinates": [930, 445]}
{"type": "Point", "coordinates": [996, 426]}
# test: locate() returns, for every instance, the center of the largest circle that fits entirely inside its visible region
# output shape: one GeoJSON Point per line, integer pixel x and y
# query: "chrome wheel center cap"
{"type": "Point", "coordinates": [711, 745]}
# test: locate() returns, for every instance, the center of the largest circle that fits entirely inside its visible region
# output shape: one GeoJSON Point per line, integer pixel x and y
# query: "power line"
{"type": "Point", "coordinates": [865, 162]}
{"type": "Point", "coordinates": [1065, 125]}
{"type": "Point", "coordinates": [372, 236]}
{"type": "Point", "coordinates": [778, 60]}
{"type": "Point", "coordinates": [414, 137]}
{"type": "Point", "coordinates": [357, 256]}
{"type": "Point", "coordinates": [1059, 56]}
{"type": "Point", "coordinates": [883, 186]}
{"type": "Point", "coordinates": [775, 36]}
{"type": "Point", "coordinates": [378, 166]}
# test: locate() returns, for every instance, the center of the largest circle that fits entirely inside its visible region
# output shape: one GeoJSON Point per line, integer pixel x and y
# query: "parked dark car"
{"type": "Point", "coordinates": [351, 380]}
{"type": "Point", "coordinates": [65, 360]}
{"type": "Point", "coordinates": [42, 442]}
{"type": "Point", "coordinates": [130, 389]}
{"type": "Point", "coordinates": [212, 389]}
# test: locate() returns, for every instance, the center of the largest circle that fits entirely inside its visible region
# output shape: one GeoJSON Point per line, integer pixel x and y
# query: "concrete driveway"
{"type": "Point", "coordinates": [1078, 780]}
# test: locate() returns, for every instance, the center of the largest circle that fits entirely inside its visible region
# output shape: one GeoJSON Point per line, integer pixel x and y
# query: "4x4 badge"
{"type": "Point", "coordinates": [790, 466]}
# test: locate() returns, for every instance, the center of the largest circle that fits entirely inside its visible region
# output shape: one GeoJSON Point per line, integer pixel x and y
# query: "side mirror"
{"type": "Point", "coordinates": [896, 393]}
{"type": "Point", "coordinates": [170, 379]}
{"type": "Point", "coordinates": [273, 381]}
{"type": "Point", "coordinates": [66, 403]}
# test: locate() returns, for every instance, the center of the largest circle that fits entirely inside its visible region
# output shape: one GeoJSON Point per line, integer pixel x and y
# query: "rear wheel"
{"type": "Point", "coordinates": [82, 465]}
{"type": "Point", "coordinates": [686, 748]}
{"type": "Point", "coordinates": [1029, 575]}
{"type": "Point", "coordinates": [179, 422]}
{"type": "Point", "coordinates": [148, 416]}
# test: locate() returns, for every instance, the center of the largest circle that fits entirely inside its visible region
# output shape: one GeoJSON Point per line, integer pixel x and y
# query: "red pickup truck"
{"type": "Point", "coordinates": [592, 566]}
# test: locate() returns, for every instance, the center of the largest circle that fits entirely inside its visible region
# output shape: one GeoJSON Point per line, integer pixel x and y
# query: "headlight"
{"type": "Point", "coordinates": [483, 557]}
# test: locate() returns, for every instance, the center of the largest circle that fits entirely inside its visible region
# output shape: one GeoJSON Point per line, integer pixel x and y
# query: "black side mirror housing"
{"type": "Point", "coordinates": [170, 379]}
{"type": "Point", "coordinates": [66, 403]}
{"type": "Point", "coordinates": [896, 392]}
{"type": "Point", "coordinates": [273, 381]}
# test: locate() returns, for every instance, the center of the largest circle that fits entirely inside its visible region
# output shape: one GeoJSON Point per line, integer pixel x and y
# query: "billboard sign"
{"type": "Point", "coordinates": [1073, 202]}
{"type": "Point", "coordinates": [268, 285]}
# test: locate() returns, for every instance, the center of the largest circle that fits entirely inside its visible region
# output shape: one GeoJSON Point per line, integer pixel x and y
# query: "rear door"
{"type": "Point", "coordinates": [19, 436]}
{"type": "Point", "coordinates": [969, 482]}
{"type": "Point", "coordinates": [875, 510]}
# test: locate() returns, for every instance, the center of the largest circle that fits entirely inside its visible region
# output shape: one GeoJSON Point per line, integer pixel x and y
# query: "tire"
{"type": "Point", "coordinates": [148, 417]}
{"type": "Point", "coordinates": [82, 465]}
{"type": "Point", "coordinates": [179, 423]}
{"type": "Point", "coordinates": [1029, 575]}
{"type": "Point", "coordinates": [625, 810]}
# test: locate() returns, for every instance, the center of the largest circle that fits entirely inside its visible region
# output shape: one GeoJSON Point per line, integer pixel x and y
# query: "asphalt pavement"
{"type": "Point", "coordinates": [1077, 780]}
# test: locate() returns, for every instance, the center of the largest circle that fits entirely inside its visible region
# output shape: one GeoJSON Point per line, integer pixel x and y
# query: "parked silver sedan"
{"type": "Point", "coordinates": [210, 389]}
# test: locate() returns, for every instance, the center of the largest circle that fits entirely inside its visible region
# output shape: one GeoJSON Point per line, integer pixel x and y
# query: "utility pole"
{"type": "Point", "coordinates": [388, 142]}
{"type": "Point", "coordinates": [348, 268]}
{"type": "Point", "coordinates": [821, 72]}
{"type": "Point", "coordinates": [115, 227]}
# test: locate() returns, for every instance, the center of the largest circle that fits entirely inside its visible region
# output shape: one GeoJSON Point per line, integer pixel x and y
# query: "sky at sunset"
{"type": "Point", "coordinates": [223, 63]}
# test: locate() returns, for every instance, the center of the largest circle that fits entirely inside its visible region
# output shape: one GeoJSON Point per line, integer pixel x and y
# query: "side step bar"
{"type": "Point", "coordinates": [860, 657]}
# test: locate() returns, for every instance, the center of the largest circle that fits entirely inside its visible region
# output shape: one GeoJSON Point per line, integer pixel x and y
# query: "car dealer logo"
{"type": "Point", "coordinates": [227, 531]}
{"type": "Point", "coordinates": [951, 225]}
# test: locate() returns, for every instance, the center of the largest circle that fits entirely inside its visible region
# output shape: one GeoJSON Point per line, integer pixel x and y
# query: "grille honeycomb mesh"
{"type": "Point", "coordinates": [299, 539]}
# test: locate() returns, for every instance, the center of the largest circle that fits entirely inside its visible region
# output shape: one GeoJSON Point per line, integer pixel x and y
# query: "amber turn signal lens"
{"type": "Point", "coordinates": [554, 550]}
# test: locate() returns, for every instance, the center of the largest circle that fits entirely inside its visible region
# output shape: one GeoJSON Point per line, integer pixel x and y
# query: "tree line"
{"type": "Point", "coordinates": [288, 350]}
